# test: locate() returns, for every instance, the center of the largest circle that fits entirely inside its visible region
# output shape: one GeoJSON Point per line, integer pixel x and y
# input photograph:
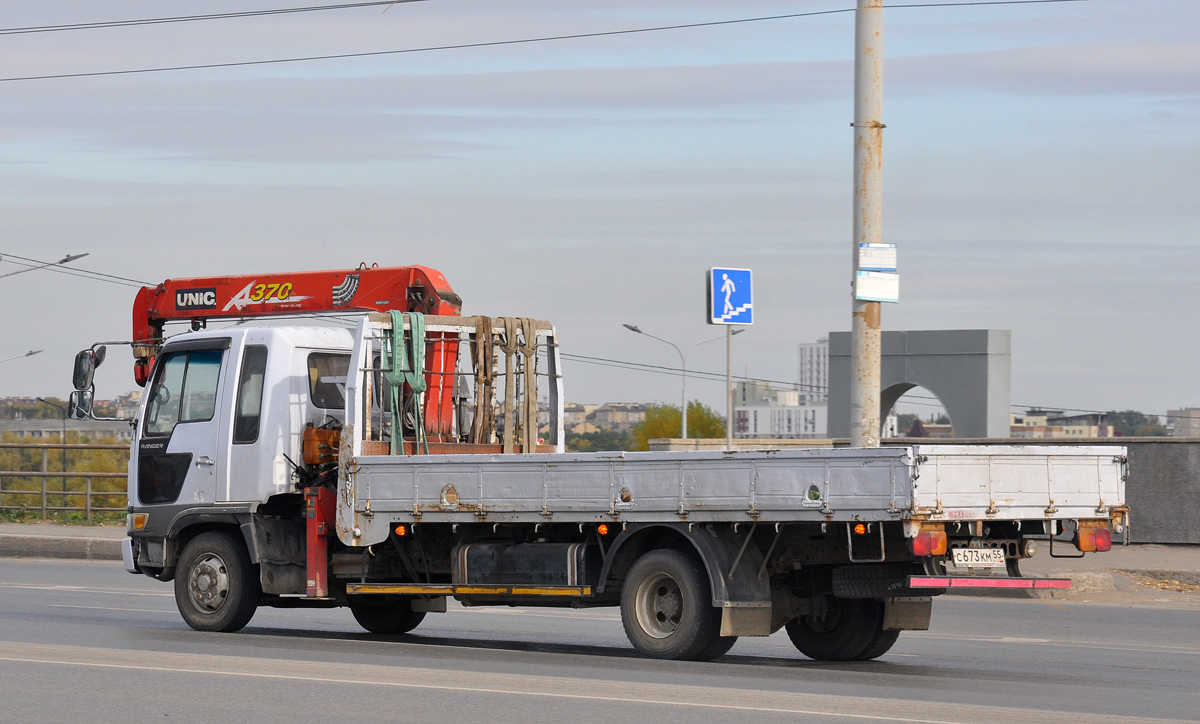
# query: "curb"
{"type": "Point", "coordinates": [30, 546]}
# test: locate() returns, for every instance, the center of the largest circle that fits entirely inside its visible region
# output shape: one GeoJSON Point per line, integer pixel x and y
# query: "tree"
{"type": "Point", "coordinates": [1129, 423]}
{"type": "Point", "coordinates": [665, 421]}
{"type": "Point", "coordinates": [596, 441]}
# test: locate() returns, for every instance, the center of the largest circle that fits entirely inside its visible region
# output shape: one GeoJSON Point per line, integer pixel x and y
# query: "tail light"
{"type": "Point", "coordinates": [1095, 539]}
{"type": "Point", "coordinates": [930, 543]}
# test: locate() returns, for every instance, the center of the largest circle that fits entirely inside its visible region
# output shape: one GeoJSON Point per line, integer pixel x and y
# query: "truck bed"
{"type": "Point", "coordinates": [932, 482]}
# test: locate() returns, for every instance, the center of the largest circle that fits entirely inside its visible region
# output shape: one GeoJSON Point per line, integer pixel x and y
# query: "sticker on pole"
{"type": "Point", "coordinates": [872, 286]}
{"type": "Point", "coordinates": [730, 296]}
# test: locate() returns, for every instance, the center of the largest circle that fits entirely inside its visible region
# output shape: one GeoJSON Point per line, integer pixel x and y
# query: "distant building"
{"type": "Point", "coordinates": [761, 411]}
{"type": "Point", "coordinates": [575, 417]}
{"type": "Point", "coordinates": [1055, 423]}
{"type": "Point", "coordinates": [127, 404]}
{"type": "Point", "coordinates": [1184, 423]}
{"type": "Point", "coordinates": [617, 416]}
{"type": "Point", "coordinates": [812, 370]}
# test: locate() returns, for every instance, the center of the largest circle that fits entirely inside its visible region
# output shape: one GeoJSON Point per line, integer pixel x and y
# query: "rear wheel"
{"type": "Point", "coordinates": [386, 616]}
{"type": "Point", "coordinates": [667, 611]}
{"type": "Point", "coordinates": [216, 588]}
{"type": "Point", "coordinates": [882, 643]}
{"type": "Point", "coordinates": [850, 629]}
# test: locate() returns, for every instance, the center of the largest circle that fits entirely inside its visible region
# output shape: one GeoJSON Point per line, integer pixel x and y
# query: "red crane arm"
{"type": "Point", "coordinates": [199, 299]}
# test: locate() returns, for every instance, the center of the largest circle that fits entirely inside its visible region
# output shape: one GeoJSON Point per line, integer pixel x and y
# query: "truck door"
{"type": "Point", "coordinates": [177, 445]}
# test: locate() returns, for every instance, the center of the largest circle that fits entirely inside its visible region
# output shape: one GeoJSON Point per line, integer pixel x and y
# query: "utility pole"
{"type": "Point", "coordinates": [868, 218]}
{"type": "Point", "coordinates": [729, 388]}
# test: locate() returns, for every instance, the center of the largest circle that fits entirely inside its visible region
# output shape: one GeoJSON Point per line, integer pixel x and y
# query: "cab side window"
{"type": "Point", "coordinates": [185, 390]}
{"type": "Point", "coordinates": [249, 397]}
{"type": "Point", "coordinates": [327, 379]}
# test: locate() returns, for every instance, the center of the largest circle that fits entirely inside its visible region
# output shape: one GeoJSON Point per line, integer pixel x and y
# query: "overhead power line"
{"type": "Point", "coordinates": [71, 271]}
{"type": "Point", "coordinates": [194, 18]}
{"type": "Point", "coordinates": [516, 41]}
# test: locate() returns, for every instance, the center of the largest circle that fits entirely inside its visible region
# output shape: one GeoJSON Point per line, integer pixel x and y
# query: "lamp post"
{"type": "Point", "coordinates": [43, 265]}
{"type": "Point", "coordinates": [64, 441]}
{"type": "Point", "coordinates": [682, 365]}
{"type": "Point", "coordinates": [30, 353]}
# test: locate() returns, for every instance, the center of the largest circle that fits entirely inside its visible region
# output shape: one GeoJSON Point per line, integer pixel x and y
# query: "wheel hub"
{"type": "Point", "coordinates": [659, 605]}
{"type": "Point", "coordinates": [208, 583]}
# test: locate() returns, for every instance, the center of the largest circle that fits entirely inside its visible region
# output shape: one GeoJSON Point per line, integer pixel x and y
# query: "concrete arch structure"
{"type": "Point", "coordinates": [970, 371]}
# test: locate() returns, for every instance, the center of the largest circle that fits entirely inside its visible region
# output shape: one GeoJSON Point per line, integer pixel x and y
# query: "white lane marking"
{"type": "Point", "coordinates": [1158, 649]}
{"type": "Point", "coordinates": [113, 608]}
{"type": "Point", "coordinates": [83, 589]}
{"type": "Point", "coordinates": [685, 696]}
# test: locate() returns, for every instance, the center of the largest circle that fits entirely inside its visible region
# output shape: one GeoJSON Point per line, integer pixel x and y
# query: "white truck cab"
{"type": "Point", "coordinates": [222, 420]}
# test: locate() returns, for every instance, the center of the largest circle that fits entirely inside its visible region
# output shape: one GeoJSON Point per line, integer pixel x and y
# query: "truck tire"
{"type": "Point", "coordinates": [847, 632]}
{"type": "Point", "coordinates": [882, 643]}
{"type": "Point", "coordinates": [216, 588]}
{"type": "Point", "coordinates": [386, 617]}
{"type": "Point", "coordinates": [667, 611]}
{"type": "Point", "coordinates": [878, 581]}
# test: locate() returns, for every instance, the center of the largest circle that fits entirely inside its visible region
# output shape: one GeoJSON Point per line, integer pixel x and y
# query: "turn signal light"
{"type": "Point", "coordinates": [930, 543]}
{"type": "Point", "coordinates": [602, 529]}
{"type": "Point", "coordinates": [401, 530]}
{"type": "Point", "coordinates": [137, 521]}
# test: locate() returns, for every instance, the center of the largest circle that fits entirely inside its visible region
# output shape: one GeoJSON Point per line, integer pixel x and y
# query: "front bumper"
{"type": "Point", "coordinates": [128, 556]}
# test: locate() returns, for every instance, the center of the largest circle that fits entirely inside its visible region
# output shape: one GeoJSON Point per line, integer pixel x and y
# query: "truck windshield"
{"type": "Point", "coordinates": [327, 379]}
{"type": "Point", "coordinates": [185, 390]}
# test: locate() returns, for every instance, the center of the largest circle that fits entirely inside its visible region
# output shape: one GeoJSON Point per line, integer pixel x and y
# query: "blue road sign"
{"type": "Point", "coordinates": [730, 296]}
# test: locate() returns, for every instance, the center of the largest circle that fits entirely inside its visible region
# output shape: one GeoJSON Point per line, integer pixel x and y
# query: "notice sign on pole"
{"type": "Point", "coordinates": [730, 296]}
{"type": "Point", "coordinates": [872, 286]}
{"type": "Point", "coordinates": [877, 257]}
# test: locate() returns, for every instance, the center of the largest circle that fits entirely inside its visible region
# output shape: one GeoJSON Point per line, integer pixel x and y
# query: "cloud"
{"type": "Point", "coordinates": [1097, 68]}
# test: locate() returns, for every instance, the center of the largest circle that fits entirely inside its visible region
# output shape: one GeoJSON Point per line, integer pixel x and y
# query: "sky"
{"type": "Point", "coordinates": [1040, 175]}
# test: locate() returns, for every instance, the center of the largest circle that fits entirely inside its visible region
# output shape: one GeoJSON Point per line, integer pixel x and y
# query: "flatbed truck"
{"type": "Point", "coordinates": [418, 457]}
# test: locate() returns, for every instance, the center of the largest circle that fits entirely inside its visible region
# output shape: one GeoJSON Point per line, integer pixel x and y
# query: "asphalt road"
{"type": "Point", "coordinates": [86, 642]}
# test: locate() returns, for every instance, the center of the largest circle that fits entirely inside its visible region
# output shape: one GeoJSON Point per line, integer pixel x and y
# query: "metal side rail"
{"type": "Point", "coordinates": [919, 582]}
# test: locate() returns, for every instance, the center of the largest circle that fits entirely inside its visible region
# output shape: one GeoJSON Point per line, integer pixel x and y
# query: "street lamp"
{"type": "Point", "coordinates": [682, 364]}
{"type": "Point", "coordinates": [30, 353]}
{"type": "Point", "coordinates": [64, 441]}
{"type": "Point", "coordinates": [43, 265]}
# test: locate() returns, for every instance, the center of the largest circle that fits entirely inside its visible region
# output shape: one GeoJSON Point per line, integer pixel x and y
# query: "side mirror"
{"type": "Point", "coordinates": [79, 405]}
{"type": "Point", "coordinates": [99, 353]}
{"type": "Point", "coordinates": [85, 368]}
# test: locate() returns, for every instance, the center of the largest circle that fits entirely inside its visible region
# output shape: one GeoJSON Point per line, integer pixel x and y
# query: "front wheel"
{"type": "Point", "coordinates": [216, 588]}
{"type": "Point", "coordinates": [386, 617]}
{"type": "Point", "coordinates": [667, 610]}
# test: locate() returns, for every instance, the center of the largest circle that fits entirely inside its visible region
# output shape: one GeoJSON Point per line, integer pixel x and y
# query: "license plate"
{"type": "Point", "coordinates": [978, 557]}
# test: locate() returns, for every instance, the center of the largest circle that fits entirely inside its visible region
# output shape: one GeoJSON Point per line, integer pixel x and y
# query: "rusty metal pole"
{"type": "Point", "coordinates": [868, 218]}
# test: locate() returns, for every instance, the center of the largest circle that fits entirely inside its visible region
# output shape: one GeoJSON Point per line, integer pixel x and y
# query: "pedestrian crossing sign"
{"type": "Point", "coordinates": [730, 296]}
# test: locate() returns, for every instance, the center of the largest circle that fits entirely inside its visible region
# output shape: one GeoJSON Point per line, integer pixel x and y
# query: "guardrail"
{"type": "Point", "coordinates": [87, 492]}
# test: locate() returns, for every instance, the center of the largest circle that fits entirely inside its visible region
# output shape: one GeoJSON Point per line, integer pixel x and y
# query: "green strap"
{"type": "Point", "coordinates": [406, 366]}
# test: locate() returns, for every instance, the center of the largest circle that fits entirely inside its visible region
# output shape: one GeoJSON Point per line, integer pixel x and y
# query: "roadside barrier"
{"type": "Point", "coordinates": [39, 490]}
